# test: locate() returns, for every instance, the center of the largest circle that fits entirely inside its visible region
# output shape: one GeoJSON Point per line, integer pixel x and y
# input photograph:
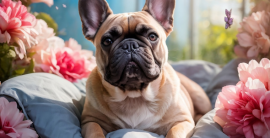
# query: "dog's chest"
{"type": "Point", "coordinates": [135, 112]}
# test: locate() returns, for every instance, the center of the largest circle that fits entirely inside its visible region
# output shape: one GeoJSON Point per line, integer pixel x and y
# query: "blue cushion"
{"type": "Point", "coordinates": [52, 103]}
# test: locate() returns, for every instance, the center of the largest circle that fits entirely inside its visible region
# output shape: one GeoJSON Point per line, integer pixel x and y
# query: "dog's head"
{"type": "Point", "coordinates": [130, 47]}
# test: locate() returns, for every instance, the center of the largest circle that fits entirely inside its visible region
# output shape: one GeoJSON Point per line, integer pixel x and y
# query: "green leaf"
{"type": "Point", "coordinates": [7, 55]}
{"type": "Point", "coordinates": [31, 54]}
{"type": "Point", "coordinates": [5, 64]}
{"type": "Point", "coordinates": [6, 46]}
{"type": "Point", "coordinates": [49, 20]}
{"type": "Point", "coordinates": [20, 71]}
{"type": "Point", "coordinates": [11, 53]}
{"type": "Point", "coordinates": [31, 66]}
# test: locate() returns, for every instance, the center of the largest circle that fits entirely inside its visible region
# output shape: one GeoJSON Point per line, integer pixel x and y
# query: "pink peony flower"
{"type": "Point", "coordinates": [16, 25]}
{"type": "Point", "coordinates": [73, 44]}
{"type": "Point", "coordinates": [48, 2]}
{"type": "Point", "coordinates": [254, 34]}
{"type": "Point", "coordinates": [43, 31]}
{"type": "Point", "coordinates": [255, 70]}
{"type": "Point", "coordinates": [243, 111]}
{"type": "Point", "coordinates": [11, 122]}
{"type": "Point", "coordinates": [69, 62]}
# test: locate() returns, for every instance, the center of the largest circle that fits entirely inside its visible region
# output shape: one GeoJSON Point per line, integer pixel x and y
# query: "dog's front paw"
{"type": "Point", "coordinates": [171, 135]}
{"type": "Point", "coordinates": [181, 130]}
{"type": "Point", "coordinates": [97, 136]}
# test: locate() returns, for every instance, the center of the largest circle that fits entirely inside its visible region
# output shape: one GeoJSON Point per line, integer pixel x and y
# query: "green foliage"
{"type": "Point", "coordinates": [216, 44]}
{"type": "Point", "coordinates": [11, 66]}
{"type": "Point", "coordinates": [48, 19]}
{"type": "Point", "coordinates": [176, 51]}
{"type": "Point", "coordinates": [7, 54]}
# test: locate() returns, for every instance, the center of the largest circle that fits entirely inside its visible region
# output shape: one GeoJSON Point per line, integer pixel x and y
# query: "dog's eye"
{"type": "Point", "coordinates": [107, 42]}
{"type": "Point", "coordinates": [152, 37]}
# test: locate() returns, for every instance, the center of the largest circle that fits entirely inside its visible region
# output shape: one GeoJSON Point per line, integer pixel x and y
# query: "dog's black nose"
{"type": "Point", "coordinates": [130, 46]}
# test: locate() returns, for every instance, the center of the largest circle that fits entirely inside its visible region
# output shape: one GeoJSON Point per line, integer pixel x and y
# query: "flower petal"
{"type": "Point", "coordinates": [259, 128]}
{"type": "Point", "coordinates": [257, 113]}
{"type": "Point", "coordinates": [253, 52]}
{"type": "Point", "coordinates": [14, 23]}
{"type": "Point", "coordinates": [266, 135]}
{"type": "Point", "coordinates": [260, 73]}
{"type": "Point", "coordinates": [248, 131]}
{"type": "Point", "coordinates": [265, 62]}
{"type": "Point", "coordinates": [245, 40]}
{"type": "Point", "coordinates": [3, 20]}
{"type": "Point", "coordinates": [27, 133]}
{"type": "Point", "coordinates": [3, 102]}
{"type": "Point", "coordinates": [24, 124]}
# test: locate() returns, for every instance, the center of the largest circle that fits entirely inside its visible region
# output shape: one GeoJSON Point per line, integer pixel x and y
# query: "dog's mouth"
{"type": "Point", "coordinates": [132, 70]}
{"type": "Point", "coordinates": [131, 78]}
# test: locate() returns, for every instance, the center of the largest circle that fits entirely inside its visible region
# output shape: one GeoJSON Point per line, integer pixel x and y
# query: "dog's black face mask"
{"type": "Point", "coordinates": [130, 48]}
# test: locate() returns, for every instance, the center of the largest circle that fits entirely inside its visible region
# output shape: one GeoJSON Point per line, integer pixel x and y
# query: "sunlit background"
{"type": "Point", "coordinates": [199, 27]}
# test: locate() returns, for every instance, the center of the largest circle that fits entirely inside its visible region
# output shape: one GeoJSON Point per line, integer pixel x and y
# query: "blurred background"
{"type": "Point", "coordinates": [199, 27]}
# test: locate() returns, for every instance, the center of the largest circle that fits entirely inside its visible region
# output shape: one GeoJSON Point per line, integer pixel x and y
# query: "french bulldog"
{"type": "Point", "coordinates": [133, 85]}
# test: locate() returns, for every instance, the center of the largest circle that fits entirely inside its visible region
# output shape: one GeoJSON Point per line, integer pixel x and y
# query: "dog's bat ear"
{"type": "Point", "coordinates": [162, 11]}
{"type": "Point", "coordinates": [93, 13]}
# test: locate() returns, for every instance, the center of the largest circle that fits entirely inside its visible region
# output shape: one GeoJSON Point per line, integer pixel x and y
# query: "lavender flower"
{"type": "Point", "coordinates": [228, 20]}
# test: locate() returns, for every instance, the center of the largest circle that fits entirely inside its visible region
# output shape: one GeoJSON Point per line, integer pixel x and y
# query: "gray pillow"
{"type": "Point", "coordinates": [52, 103]}
{"type": "Point", "coordinates": [201, 72]}
{"type": "Point", "coordinates": [208, 128]}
